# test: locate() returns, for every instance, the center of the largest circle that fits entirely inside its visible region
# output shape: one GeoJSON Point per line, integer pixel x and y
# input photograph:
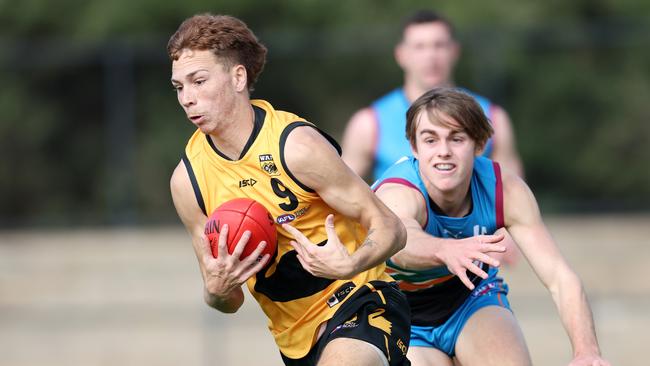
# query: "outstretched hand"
{"type": "Point", "coordinates": [330, 260]}
{"type": "Point", "coordinates": [460, 255]}
{"type": "Point", "coordinates": [227, 272]}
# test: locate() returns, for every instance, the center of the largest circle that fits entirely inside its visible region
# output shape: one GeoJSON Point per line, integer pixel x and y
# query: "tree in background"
{"type": "Point", "coordinates": [86, 135]}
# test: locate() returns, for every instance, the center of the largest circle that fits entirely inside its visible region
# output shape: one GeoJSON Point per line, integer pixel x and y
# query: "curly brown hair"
{"type": "Point", "coordinates": [227, 37]}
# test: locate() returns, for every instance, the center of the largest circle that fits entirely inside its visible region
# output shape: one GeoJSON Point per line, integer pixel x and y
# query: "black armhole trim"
{"type": "Point", "coordinates": [283, 140]}
{"type": "Point", "coordinates": [195, 185]}
{"type": "Point", "coordinates": [258, 122]}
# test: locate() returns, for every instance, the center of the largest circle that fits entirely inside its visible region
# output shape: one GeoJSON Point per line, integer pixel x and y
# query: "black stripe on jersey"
{"type": "Point", "coordinates": [258, 122]}
{"type": "Point", "coordinates": [195, 185]}
{"type": "Point", "coordinates": [289, 281]}
{"type": "Point", "coordinates": [283, 140]}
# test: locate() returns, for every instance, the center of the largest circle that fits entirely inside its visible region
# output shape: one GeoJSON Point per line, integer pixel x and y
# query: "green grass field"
{"type": "Point", "coordinates": [134, 297]}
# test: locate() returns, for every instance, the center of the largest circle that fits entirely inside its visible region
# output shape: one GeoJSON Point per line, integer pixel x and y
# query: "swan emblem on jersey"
{"type": "Point", "coordinates": [268, 165]}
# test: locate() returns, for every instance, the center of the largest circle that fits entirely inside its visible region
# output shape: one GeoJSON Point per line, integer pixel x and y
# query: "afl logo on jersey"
{"type": "Point", "coordinates": [285, 218]}
{"type": "Point", "coordinates": [268, 165]}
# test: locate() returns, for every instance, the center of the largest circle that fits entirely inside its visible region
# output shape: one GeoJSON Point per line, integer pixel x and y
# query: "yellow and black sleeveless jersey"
{"type": "Point", "coordinates": [295, 301]}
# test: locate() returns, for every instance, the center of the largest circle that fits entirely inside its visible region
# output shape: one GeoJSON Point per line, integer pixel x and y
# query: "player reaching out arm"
{"type": "Point", "coordinates": [447, 196]}
{"type": "Point", "coordinates": [524, 222]}
{"type": "Point", "coordinates": [425, 251]}
{"type": "Point", "coordinates": [427, 53]}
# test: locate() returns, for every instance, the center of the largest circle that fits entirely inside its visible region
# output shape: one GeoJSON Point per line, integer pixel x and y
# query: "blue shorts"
{"type": "Point", "coordinates": [491, 291]}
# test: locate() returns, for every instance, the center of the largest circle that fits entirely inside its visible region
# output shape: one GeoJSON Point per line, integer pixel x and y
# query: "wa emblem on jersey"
{"type": "Point", "coordinates": [268, 165]}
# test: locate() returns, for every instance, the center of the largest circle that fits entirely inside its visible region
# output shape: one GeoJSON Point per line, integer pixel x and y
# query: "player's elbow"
{"type": "Point", "coordinates": [224, 307]}
{"type": "Point", "coordinates": [228, 305]}
{"type": "Point", "coordinates": [565, 281]}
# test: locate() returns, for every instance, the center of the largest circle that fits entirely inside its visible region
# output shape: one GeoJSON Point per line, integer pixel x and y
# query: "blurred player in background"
{"type": "Point", "coordinates": [427, 53]}
{"type": "Point", "coordinates": [452, 200]}
{"type": "Point", "coordinates": [325, 291]}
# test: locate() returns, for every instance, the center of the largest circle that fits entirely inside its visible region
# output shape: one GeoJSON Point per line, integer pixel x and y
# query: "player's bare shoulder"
{"type": "Point", "coordinates": [180, 180]}
{"type": "Point", "coordinates": [364, 120]}
{"type": "Point", "coordinates": [513, 185]}
{"type": "Point", "coordinates": [361, 130]}
{"type": "Point", "coordinates": [309, 155]}
{"type": "Point", "coordinates": [405, 201]}
{"type": "Point", "coordinates": [519, 201]}
{"type": "Point", "coordinates": [184, 198]}
{"type": "Point", "coordinates": [304, 141]}
{"type": "Point", "coordinates": [359, 140]}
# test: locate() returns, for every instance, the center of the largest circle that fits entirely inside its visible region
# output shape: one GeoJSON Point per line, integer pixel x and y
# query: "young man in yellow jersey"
{"type": "Point", "coordinates": [325, 292]}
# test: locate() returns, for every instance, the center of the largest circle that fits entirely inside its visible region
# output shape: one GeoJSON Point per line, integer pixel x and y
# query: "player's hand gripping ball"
{"type": "Point", "coordinates": [242, 214]}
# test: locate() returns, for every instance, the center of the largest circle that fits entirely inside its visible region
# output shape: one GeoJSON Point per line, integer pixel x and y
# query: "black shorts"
{"type": "Point", "coordinates": [377, 313]}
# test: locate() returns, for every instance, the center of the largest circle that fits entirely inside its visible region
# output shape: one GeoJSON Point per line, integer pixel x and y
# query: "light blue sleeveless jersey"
{"type": "Point", "coordinates": [485, 218]}
{"type": "Point", "coordinates": [440, 303]}
{"type": "Point", "coordinates": [392, 144]}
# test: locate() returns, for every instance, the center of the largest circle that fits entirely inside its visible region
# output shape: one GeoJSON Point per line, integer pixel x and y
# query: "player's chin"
{"type": "Point", "coordinates": [446, 184]}
{"type": "Point", "coordinates": [206, 128]}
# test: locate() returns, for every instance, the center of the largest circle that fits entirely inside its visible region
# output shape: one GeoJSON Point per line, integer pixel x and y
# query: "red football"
{"type": "Point", "coordinates": [242, 214]}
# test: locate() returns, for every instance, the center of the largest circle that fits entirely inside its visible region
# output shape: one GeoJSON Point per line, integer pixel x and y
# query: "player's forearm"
{"type": "Point", "coordinates": [226, 301]}
{"type": "Point", "coordinates": [420, 252]}
{"type": "Point", "coordinates": [576, 315]}
{"type": "Point", "coordinates": [385, 238]}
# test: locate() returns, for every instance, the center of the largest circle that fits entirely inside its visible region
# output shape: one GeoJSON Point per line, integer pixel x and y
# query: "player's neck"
{"type": "Point", "coordinates": [454, 203]}
{"type": "Point", "coordinates": [234, 135]}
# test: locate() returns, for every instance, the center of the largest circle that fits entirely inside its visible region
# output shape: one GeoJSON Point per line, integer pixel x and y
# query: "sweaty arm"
{"type": "Point", "coordinates": [423, 250]}
{"type": "Point", "coordinates": [316, 163]}
{"type": "Point", "coordinates": [524, 223]}
{"type": "Point", "coordinates": [222, 276]}
{"type": "Point", "coordinates": [358, 141]}
{"type": "Point", "coordinates": [504, 147]}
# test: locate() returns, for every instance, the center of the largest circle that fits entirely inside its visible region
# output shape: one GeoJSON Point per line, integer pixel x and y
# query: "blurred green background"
{"type": "Point", "coordinates": [90, 128]}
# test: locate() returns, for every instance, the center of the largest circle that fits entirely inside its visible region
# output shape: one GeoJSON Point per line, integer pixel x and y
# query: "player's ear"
{"type": "Point", "coordinates": [455, 50]}
{"type": "Point", "coordinates": [399, 54]}
{"type": "Point", "coordinates": [239, 77]}
{"type": "Point", "coordinates": [414, 149]}
{"type": "Point", "coordinates": [479, 148]}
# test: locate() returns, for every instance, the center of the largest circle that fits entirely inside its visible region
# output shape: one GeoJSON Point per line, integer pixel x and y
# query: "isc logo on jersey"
{"type": "Point", "coordinates": [268, 165]}
{"type": "Point", "coordinates": [247, 182]}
